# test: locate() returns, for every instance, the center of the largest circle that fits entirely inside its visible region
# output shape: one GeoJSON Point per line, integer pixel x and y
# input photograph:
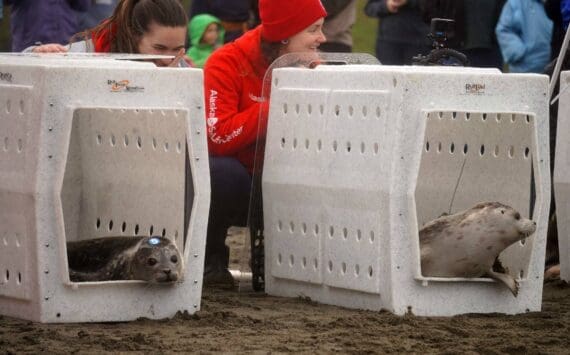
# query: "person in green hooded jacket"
{"type": "Point", "coordinates": [206, 35]}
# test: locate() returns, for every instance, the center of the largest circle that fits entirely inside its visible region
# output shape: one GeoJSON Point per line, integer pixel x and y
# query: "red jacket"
{"type": "Point", "coordinates": [233, 79]}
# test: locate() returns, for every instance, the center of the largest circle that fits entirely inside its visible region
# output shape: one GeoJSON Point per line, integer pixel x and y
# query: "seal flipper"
{"type": "Point", "coordinates": [507, 279]}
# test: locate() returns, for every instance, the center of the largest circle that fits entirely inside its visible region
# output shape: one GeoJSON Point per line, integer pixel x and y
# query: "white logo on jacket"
{"type": "Point", "coordinates": [256, 98]}
{"type": "Point", "coordinates": [212, 120]}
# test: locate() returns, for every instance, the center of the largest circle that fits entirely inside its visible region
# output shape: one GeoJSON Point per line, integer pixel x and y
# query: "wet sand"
{"type": "Point", "coordinates": [250, 322]}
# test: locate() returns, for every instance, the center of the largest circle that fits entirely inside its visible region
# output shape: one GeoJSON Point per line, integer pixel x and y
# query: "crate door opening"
{"type": "Point", "coordinates": [125, 174]}
{"type": "Point", "coordinates": [469, 158]}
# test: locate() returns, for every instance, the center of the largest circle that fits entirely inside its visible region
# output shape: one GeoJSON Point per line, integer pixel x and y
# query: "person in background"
{"type": "Point", "coordinates": [43, 21]}
{"type": "Point", "coordinates": [98, 11]}
{"type": "Point", "coordinates": [207, 34]}
{"type": "Point", "coordinates": [338, 25]}
{"type": "Point", "coordinates": [233, 80]}
{"type": "Point", "coordinates": [524, 33]}
{"type": "Point", "coordinates": [473, 32]}
{"type": "Point", "coordinates": [479, 42]}
{"type": "Point", "coordinates": [136, 26]}
{"type": "Point", "coordinates": [553, 10]}
{"type": "Point", "coordinates": [402, 33]}
{"type": "Point", "coordinates": [233, 14]}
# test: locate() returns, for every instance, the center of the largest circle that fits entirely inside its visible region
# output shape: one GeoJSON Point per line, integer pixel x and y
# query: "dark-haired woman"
{"type": "Point", "coordinates": [136, 26]}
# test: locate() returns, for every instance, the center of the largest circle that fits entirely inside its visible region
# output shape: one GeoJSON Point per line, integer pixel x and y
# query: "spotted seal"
{"type": "Point", "coordinates": [151, 259]}
{"type": "Point", "coordinates": [466, 244]}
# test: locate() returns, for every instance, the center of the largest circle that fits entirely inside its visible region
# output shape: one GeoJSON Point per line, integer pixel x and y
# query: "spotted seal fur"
{"type": "Point", "coordinates": [466, 244]}
{"type": "Point", "coordinates": [151, 259]}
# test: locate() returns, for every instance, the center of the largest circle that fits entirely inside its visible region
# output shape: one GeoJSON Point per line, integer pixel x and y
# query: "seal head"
{"type": "Point", "coordinates": [156, 260]}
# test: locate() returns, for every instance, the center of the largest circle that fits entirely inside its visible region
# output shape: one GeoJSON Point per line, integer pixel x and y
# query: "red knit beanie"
{"type": "Point", "coordinates": [280, 19]}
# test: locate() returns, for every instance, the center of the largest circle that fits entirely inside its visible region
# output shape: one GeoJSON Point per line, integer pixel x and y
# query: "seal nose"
{"type": "Point", "coordinates": [169, 275]}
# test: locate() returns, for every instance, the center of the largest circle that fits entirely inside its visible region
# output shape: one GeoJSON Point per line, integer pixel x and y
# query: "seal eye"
{"type": "Point", "coordinates": [502, 211]}
{"type": "Point", "coordinates": [174, 259]}
{"type": "Point", "coordinates": [517, 216]}
{"type": "Point", "coordinates": [151, 261]}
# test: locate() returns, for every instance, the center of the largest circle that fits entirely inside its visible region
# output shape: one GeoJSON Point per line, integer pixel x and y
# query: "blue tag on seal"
{"type": "Point", "coordinates": [154, 241]}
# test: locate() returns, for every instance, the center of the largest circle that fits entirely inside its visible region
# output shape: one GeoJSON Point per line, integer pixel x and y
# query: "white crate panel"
{"type": "Point", "coordinates": [14, 133]}
{"type": "Point", "coordinates": [117, 148]}
{"type": "Point", "coordinates": [562, 191]}
{"type": "Point", "coordinates": [352, 249]}
{"type": "Point", "coordinates": [470, 157]}
{"type": "Point", "coordinates": [301, 145]}
{"type": "Point", "coordinates": [16, 242]}
{"type": "Point", "coordinates": [562, 176]}
{"type": "Point", "coordinates": [496, 162]}
{"type": "Point", "coordinates": [297, 236]}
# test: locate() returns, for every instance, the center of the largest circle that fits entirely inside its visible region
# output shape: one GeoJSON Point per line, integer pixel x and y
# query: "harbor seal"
{"type": "Point", "coordinates": [151, 259]}
{"type": "Point", "coordinates": [466, 244]}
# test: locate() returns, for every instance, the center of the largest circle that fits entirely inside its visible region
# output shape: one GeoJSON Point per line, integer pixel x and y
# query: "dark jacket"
{"type": "Point", "coordinates": [46, 21]}
{"type": "Point", "coordinates": [225, 10]}
{"type": "Point", "coordinates": [98, 11]}
{"type": "Point", "coordinates": [480, 18]}
{"type": "Point", "coordinates": [552, 8]}
{"type": "Point", "coordinates": [475, 20]}
{"type": "Point", "coordinates": [405, 26]}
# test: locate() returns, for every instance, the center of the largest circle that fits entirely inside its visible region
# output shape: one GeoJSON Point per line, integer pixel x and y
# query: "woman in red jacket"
{"type": "Point", "coordinates": [233, 78]}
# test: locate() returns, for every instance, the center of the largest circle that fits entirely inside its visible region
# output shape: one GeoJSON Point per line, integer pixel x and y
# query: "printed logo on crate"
{"type": "Point", "coordinates": [6, 77]}
{"type": "Point", "coordinates": [123, 86]}
{"type": "Point", "coordinates": [475, 88]}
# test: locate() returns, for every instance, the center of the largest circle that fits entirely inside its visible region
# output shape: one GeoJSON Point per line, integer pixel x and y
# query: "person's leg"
{"type": "Point", "coordinates": [230, 189]}
{"type": "Point", "coordinates": [388, 53]}
{"type": "Point", "coordinates": [484, 57]}
{"type": "Point", "coordinates": [409, 51]}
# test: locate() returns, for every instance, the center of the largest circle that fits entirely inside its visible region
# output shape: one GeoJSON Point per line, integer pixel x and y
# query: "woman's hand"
{"type": "Point", "coordinates": [394, 5]}
{"type": "Point", "coordinates": [181, 56]}
{"type": "Point", "coordinates": [50, 48]}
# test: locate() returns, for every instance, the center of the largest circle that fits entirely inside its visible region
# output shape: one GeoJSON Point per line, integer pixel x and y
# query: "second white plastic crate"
{"type": "Point", "coordinates": [359, 157]}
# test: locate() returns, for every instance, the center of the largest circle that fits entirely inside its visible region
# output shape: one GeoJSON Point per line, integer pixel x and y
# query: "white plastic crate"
{"type": "Point", "coordinates": [93, 148]}
{"type": "Point", "coordinates": [359, 157]}
{"type": "Point", "coordinates": [562, 176]}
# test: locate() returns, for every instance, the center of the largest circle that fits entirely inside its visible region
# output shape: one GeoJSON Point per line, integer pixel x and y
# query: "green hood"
{"type": "Point", "coordinates": [197, 26]}
{"type": "Point", "coordinates": [199, 52]}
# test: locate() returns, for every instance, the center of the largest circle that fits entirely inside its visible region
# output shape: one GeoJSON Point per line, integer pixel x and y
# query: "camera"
{"type": "Point", "coordinates": [441, 30]}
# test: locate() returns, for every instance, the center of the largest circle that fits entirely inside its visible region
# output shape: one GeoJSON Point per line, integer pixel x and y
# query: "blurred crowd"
{"type": "Point", "coordinates": [519, 35]}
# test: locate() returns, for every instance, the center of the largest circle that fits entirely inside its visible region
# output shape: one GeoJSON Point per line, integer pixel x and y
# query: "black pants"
{"type": "Point", "coordinates": [397, 53]}
{"type": "Point", "coordinates": [484, 57]}
{"type": "Point", "coordinates": [230, 191]}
